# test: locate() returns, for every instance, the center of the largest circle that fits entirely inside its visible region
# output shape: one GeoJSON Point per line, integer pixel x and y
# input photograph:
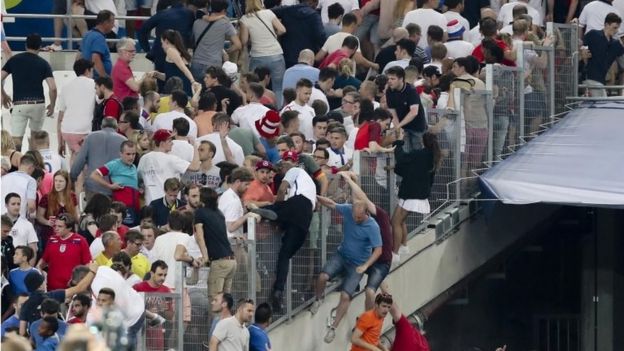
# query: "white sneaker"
{"type": "Point", "coordinates": [315, 306]}
{"type": "Point", "coordinates": [53, 47]}
{"type": "Point", "coordinates": [330, 336]}
{"type": "Point", "coordinates": [404, 250]}
{"type": "Point", "coordinates": [396, 258]}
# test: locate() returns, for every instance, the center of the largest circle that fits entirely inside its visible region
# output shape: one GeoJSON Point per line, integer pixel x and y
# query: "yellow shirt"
{"type": "Point", "coordinates": [103, 260]}
{"type": "Point", "coordinates": [140, 265]}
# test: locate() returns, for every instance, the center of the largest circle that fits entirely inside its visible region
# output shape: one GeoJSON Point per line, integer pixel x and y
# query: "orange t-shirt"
{"type": "Point", "coordinates": [370, 325]}
{"type": "Point", "coordinates": [258, 192]}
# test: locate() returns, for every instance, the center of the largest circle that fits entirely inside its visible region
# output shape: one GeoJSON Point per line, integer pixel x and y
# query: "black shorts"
{"type": "Point", "coordinates": [59, 7]}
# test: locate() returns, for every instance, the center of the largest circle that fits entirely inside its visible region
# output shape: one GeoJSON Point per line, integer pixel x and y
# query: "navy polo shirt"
{"type": "Point", "coordinates": [604, 51]}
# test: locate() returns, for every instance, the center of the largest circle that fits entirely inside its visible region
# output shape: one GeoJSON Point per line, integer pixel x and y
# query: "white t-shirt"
{"type": "Point", "coordinates": [451, 15]}
{"type": "Point", "coordinates": [505, 16]}
{"type": "Point", "coordinates": [458, 48]}
{"type": "Point", "coordinates": [263, 42]}
{"type": "Point", "coordinates": [96, 247]}
{"type": "Point", "coordinates": [401, 63]}
{"type": "Point", "coordinates": [593, 16]}
{"type": "Point", "coordinates": [300, 184]}
{"type": "Point", "coordinates": [347, 5]}
{"type": "Point", "coordinates": [77, 101]}
{"type": "Point", "coordinates": [183, 149]}
{"type": "Point", "coordinates": [335, 159]}
{"type": "Point", "coordinates": [539, 5]}
{"type": "Point", "coordinates": [155, 168]}
{"type": "Point", "coordinates": [317, 94]}
{"type": "Point", "coordinates": [425, 18]}
{"type": "Point", "coordinates": [232, 335]}
{"type": "Point", "coordinates": [53, 161]}
{"type": "Point", "coordinates": [23, 185]}
{"type": "Point", "coordinates": [23, 233]}
{"type": "Point", "coordinates": [247, 115]}
{"type": "Point", "coordinates": [165, 121]}
{"type": "Point", "coordinates": [475, 35]}
{"type": "Point", "coordinates": [351, 139]}
{"type": "Point", "coordinates": [130, 303]}
{"type": "Point", "coordinates": [96, 6]}
{"type": "Point", "coordinates": [237, 150]}
{"type": "Point", "coordinates": [232, 207]}
{"type": "Point", "coordinates": [164, 249]}
{"type": "Point", "coordinates": [334, 42]}
{"type": "Point", "coordinates": [306, 114]}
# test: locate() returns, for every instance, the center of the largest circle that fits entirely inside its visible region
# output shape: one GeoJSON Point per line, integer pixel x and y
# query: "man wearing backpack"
{"type": "Point", "coordinates": [110, 105]}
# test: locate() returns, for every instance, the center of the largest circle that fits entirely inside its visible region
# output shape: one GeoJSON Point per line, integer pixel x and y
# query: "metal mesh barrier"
{"type": "Point", "coordinates": [197, 330]}
{"type": "Point", "coordinates": [168, 335]}
{"type": "Point", "coordinates": [566, 58]}
{"type": "Point", "coordinates": [506, 84]}
{"type": "Point", "coordinates": [539, 99]}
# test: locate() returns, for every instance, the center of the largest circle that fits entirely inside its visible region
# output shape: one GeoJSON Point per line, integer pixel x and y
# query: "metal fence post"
{"type": "Point", "coordinates": [575, 57]}
{"type": "Point", "coordinates": [490, 111]}
{"type": "Point", "coordinates": [391, 184]}
{"type": "Point", "coordinates": [289, 291]}
{"type": "Point", "coordinates": [458, 143]}
{"type": "Point", "coordinates": [520, 61]}
{"type": "Point", "coordinates": [551, 78]}
{"type": "Point", "coordinates": [180, 310]}
{"type": "Point", "coordinates": [324, 218]}
{"type": "Point", "coordinates": [251, 250]}
{"type": "Point", "coordinates": [70, 26]}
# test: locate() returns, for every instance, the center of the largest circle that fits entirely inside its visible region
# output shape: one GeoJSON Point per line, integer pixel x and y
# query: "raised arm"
{"type": "Point", "coordinates": [327, 202]}
{"type": "Point", "coordinates": [357, 192]}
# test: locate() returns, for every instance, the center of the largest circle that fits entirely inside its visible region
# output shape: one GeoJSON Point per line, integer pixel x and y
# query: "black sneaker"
{"type": "Point", "coordinates": [268, 214]}
{"type": "Point", "coordinates": [276, 301]}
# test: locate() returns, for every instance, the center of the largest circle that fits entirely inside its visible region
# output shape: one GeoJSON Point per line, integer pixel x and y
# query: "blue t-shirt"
{"type": "Point", "coordinates": [33, 330]}
{"type": "Point", "coordinates": [11, 322]}
{"type": "Point", "coordinates": [258, 339]}
{"type": "Point", "coordinates": [48, 344]}
{"type": "Point", "coordinates": [358, 239]}
{"type": "Point", "coordinates": [123, 174]}
{"type": "Point", "coordinates": [95, 41]}
{"type": "Point", "coordinates": [271, 152]}
{"type": "Point", "coordinates": [16, 278]}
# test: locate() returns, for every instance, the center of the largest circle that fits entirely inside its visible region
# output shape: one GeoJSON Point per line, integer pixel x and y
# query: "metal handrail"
{"type": "Point", "coordinates": [71, 16]}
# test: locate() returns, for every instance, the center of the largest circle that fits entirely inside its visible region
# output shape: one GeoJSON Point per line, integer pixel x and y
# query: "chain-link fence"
{"type": "Point", "coordinates": [566, 56]}
{"type": "Point", "coordinates": [537, 63]}
{"type": "Point", "coordinates": [167, 336]}
{"type": "Point", "coordinates": [507, 87]}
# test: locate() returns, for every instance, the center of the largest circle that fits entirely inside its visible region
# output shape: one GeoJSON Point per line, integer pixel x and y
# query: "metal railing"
{"type": "Point", "coordinates": [566, 56]}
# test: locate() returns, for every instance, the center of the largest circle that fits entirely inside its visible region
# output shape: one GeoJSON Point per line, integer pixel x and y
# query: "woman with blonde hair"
{"type": "Point", "coordinates": [262, 28]}
{"type": "Point", "coordinates": [345, 75]}
{"type": "Point", "coordinates": [9, 151]}
{"type": "Point", "coordinates": [143, 144]}
{"type": "Point", "coordinates": [59, 200]}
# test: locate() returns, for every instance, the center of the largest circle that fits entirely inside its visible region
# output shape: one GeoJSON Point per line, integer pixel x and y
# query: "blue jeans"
{"type": "Point", "coordinates": [335, 266]}
{"type": "Point", "coordinates": [376, 274]}
{"type": "Point", "coordinates": [413, 140]}
{"type": "Point", "coordinates": [276, 66]}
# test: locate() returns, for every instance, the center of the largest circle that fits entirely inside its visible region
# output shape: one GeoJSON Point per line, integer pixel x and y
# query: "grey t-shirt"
{"type": "Point", "coordinates": [208, 51]}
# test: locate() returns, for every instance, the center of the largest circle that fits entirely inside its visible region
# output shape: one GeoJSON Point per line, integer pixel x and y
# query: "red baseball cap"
{"type": "Point", "coordinates": [162, 135]}
{"type": "Point", "coordinates": [290, 155]}
{"type": "Point", "coordinates": [264, 164]}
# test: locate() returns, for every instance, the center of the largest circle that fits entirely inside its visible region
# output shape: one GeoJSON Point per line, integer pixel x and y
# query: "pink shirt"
{"type": "Point", "coordinates": [121, 73]}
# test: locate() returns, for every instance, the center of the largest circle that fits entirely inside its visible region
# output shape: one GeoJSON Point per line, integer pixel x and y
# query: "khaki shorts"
{"type": "Point", "coordinates": [23, 115]}
{"type": "Point", "coordinates": [221, 276]}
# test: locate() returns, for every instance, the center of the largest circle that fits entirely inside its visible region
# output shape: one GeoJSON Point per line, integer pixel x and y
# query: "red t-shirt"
{"type": "Point", "coordinates": [112, 107]}
{"type": "Point", "coordinates": [334, 58]}
{"type": "Point", "coordinates": [478, 53]}
{"type": "Point", "coordinates": [120, 75]}
{"type": "Point", "coordinates": [155, 337]}
{"type": "Point", "coordinates": [368, 131]}
{"type": "Point", "coordinates": [364, 2]}
{"type": "Point", "coordinates": [62, 256]}
{"type": "Point", "coordinates": [383, 220]}
{"type": "Point", "coordinates": [75, 320]}
{"type": "Point", "coordinates": [408, 338]}
{"type": "Point", "coordinates": [145, 287]}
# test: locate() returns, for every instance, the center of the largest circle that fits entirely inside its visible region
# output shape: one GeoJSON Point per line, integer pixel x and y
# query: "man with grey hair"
{"type": "Point", "coordinates": [303, 69]}
{"type": "Point", "coordinates": [124, 83]}
{"type": "Point", "coordinates": [112, 246]}
{"type": "Point", "coordinates": [98, 148]}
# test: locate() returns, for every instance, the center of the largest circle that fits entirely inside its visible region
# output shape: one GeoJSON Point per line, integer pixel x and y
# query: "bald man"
{"type": "Point", "coordinates": [303, 69]}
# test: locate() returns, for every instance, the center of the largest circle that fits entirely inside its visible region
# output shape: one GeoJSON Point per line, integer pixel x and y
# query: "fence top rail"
{"type": "Point", "coordinates": [73, 16]}
{"type": "Point", "coordinates": [601, 87]}
{"type": "Point", "coordinates": [502, 67]}
{"type": "Point", "coordinates": [595, 98]}
{"type": "Point", "coordinates": [162, 295]}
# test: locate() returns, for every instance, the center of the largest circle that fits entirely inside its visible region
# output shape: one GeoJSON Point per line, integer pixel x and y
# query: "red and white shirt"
{"type": "Point", "coordinates": [62, 255]}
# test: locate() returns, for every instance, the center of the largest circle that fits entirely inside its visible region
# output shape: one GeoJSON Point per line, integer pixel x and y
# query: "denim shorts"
{"type": "Point", "coordinates": [338, 266]}
{"type": "Point", "coordinates": [376, 274]}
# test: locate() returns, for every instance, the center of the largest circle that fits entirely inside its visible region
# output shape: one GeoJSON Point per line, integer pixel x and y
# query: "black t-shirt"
{"type": "Point", "coordinates": [401, 101]}
{"type": "Point", "coordinates": [8, 250]}
{"type": "Point", "coordinates": [29, 71]}
{"type": "Point", "coordinates": [30, 309]}
{"type": "Point", "coordinates": [215, 232]}
{"type": "Point", "coordinates": [221, 93]}
{"type": "Point", "coordinates": [604, 52]}
{"type": "Point", "coordinates": [472, 11]}
{"type": "Point", "coordinates": [385, 56]}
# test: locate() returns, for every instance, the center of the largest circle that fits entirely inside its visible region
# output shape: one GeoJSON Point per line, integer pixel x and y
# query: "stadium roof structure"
{"type": "Point", "coordinates": [579, 162]}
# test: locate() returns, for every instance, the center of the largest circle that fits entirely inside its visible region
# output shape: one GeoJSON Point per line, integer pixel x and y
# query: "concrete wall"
{"type": "Point", "coordinates": [433, 269]}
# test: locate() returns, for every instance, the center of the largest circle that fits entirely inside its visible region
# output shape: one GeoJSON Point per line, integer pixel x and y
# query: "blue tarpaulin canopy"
{"type": "Point", "coordinates": [579, 161]}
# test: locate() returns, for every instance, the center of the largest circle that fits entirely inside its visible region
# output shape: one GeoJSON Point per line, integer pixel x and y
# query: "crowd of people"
{"type": "Point", "coordinates": [246, 120]}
